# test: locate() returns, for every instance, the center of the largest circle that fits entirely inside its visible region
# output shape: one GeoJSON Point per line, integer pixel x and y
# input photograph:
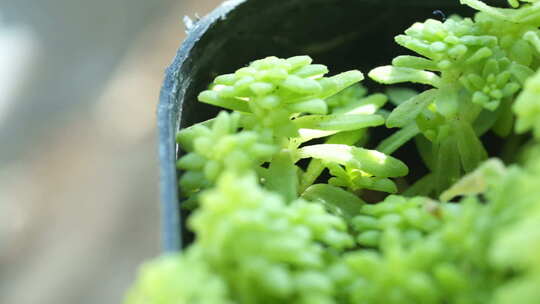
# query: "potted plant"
{"type": "Point", "coordinates": [311, 190]}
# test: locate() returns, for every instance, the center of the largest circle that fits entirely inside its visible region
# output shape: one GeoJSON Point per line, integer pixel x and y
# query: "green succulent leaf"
{"type": "Point", "coordinates": [336, 200]}
{"type": "Point", "coordinates": [339, 122]}
{"type": "Point", "coordinates": [398, 139]}
{"type": "Point", "coordinates": [392, 75]}
{"type": "Point", "coordinates": [370, 161]}
{"type": "Point", "coordinates": [408, 110]}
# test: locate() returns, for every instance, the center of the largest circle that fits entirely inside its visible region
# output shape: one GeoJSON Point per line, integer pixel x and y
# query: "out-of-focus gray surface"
{"type": "Point", "coordinates": [78, 168]}
{"type": "Point", "coordinates": [81, 43]}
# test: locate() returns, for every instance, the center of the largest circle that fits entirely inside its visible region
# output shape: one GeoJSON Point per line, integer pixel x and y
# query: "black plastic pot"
{"type": "Point", "coordinates": [342, 34]}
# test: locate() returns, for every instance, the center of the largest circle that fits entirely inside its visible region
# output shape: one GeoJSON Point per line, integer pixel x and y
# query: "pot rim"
{"type": "Point", "coordinates": [168, 112]}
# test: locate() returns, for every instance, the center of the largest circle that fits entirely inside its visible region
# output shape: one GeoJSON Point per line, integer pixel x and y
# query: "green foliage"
{"type": "Point", "coordinates": [159, 281]}
{"type": "Point", "coordinates": [266, 250]}
{"type": "Point", "coordinates": [218, 148]}
{"type": "Point", "coordinates": [271, 91]}
{"type": "Point", "coordinates": [476, 67]}
{"type": "Point", "coordinates": [412, 250]}
{"type": "Point", "coordinates": [527, 12]}
{"type": "Point", "coordinates": [356, 168]}
{"type": "Point", "coordinates": [444, 265]}
{"type": "Point", "coordinates": [269, 251]}
{"type": "Point", "coordinates": [527, 106]}
{"type": "Point", "coordinates": [414, 217]}
{"type": "Point", "coordinates": [451, 253]}
{"type": "Point", "coordinates": [280, 106]}
{"type": "Point", "coordinates": [269, 230]}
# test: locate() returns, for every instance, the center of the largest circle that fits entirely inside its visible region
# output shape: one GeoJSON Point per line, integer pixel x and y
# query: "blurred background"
{"type": "Point", "coordinates": [79, 83]}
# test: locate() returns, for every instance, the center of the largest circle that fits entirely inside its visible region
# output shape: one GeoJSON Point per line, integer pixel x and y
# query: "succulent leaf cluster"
{"type": "Point", "coordinates": [159, 281]}
{"type": "Point", "coordinates": [258, 243]}
{"type": "Point", "coordinates": [527, 106]}
{"type": "Point", "coordinates": [476, 68]}
{"type": "Point", "coordinates": [279, 106]}
{"type": "Point", "coordinates": [272, 90]}
{"type": "Point", "coordinates": [218, 148]}
{"type": "Point", "coordinates": [414, 217]}
{"type": "Point", "coordinates": [458, 50]}
{"type": "Point", "coordinates": [254, 247]}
